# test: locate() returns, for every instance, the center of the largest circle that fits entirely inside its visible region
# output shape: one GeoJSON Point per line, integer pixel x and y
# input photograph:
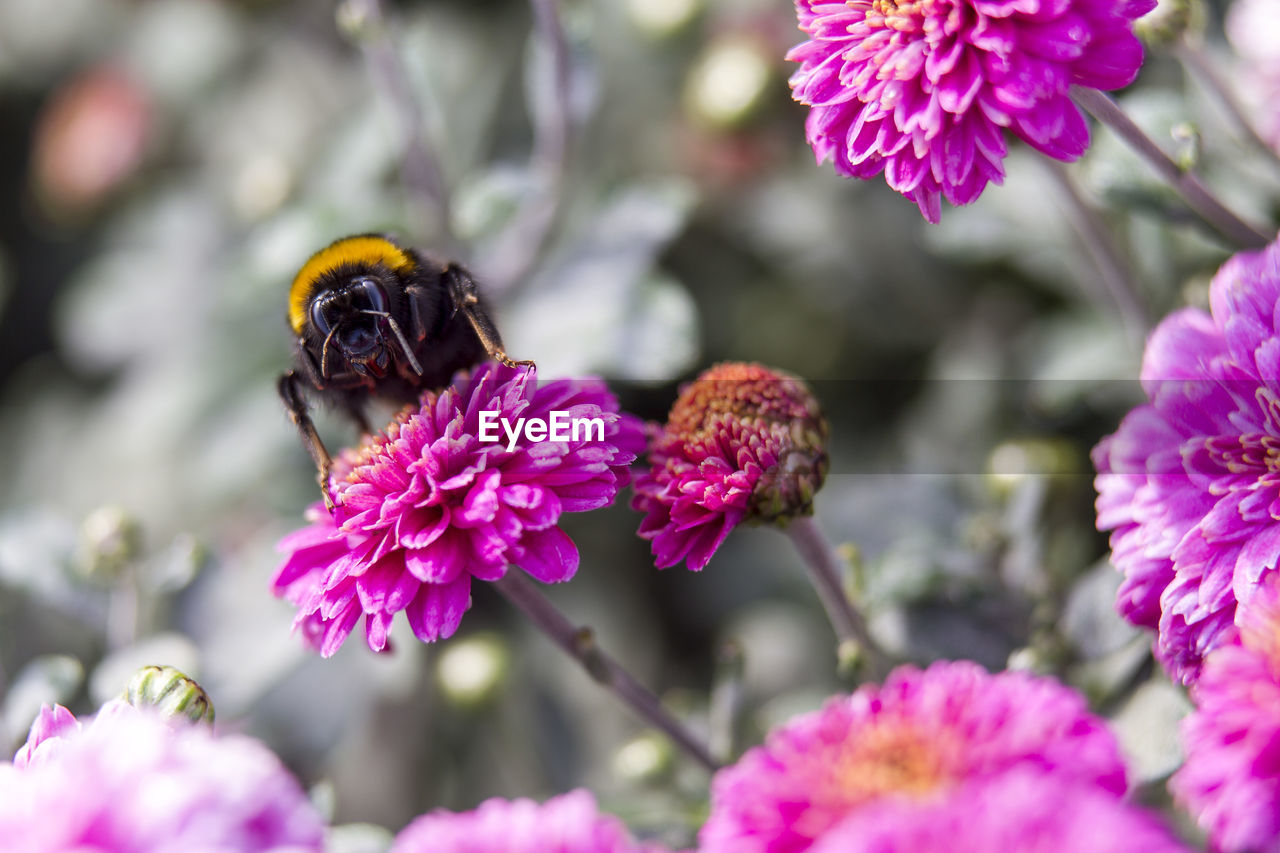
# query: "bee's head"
{"type": "Point", "coordinates": [352, 320]}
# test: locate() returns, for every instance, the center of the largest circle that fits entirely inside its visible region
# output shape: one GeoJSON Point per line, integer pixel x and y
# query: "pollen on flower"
{"type": "Point", "coordinates": [905, 17]}
{"type": "Point", "coordinates": [348, 464]}
{"type": "Point", "coordinates": [894, 757]}
{"type": "Point", "coordinates": [745, 391]}
{"type": "Point", "coordinates": [1242, 453]}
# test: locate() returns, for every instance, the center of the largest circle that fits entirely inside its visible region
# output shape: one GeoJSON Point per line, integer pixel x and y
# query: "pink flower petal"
{"type": "Point", "coordinates": [549, 555]}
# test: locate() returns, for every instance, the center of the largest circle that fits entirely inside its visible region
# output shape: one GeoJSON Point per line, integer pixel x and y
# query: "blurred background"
{"type": "Point", "coordinates": [632, 184]}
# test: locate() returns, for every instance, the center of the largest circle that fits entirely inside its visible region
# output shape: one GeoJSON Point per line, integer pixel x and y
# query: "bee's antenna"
{"type": "Point", "coordinates": [404, 343]}
{"type": "Point", "coordinates": [324, 352]}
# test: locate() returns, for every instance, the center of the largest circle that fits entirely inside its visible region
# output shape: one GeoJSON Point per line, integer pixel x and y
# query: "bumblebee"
{"type": "Point", "coordinates": [375, 319]}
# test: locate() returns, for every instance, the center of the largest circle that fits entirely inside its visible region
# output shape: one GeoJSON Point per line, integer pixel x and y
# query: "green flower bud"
{"type": "Point", "coordinates": [170, 692]}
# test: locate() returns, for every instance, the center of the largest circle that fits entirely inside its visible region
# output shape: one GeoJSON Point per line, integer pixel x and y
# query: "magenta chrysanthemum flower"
{"type": "Point", "coordinates": [128, 782]}
{"type": "Point", "coordinates": [1024, 810]}
{"type": "Point", "coordinates": [924, 90]}
{"type": "Point", "coordinates": [1189, 484]}
{"type": "Point", "coordinates": [1231, 779]}
{"type": "Point", "coordinates": [569, 823]}
{"type": "Point", "coordinates": [923, 735]}
{"type": "Point", "coordinates": [432, 503]}
{"type": "Point", "coordinates": [742, 443]}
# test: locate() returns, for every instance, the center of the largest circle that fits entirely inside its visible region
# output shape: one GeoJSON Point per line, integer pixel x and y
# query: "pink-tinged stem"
{"type": "Point", "coordinates": [580, 644]}
{"type": "Point", "coordinates": [1197, 196]}
{"type": "Point", "coordinates": [826, 573]}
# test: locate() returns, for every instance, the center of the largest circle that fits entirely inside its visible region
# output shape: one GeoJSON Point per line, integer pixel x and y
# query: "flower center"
{"type": "Point", "coordinates": [904, 15]}
{"type": "Point", "coordinates": [1243, 454]}
{"type": "Point", "coordinates": [892, 758]}
{"type": "Point", "coordinates": [747, 392]}
{"type": "Point", "coordinates": [349, 466]}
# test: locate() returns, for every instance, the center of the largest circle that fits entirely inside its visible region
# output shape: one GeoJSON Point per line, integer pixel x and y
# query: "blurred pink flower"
{"type": "Point", "coordinates": [90, 138]}
{"type": "Point", "coordinates": [1023, 810]}
{"type": "Point", "coordinates": [49, 731]}
{"type": "Point", "coordinates": [1189, 483]}
{"type": "Point", "coordinates": [1231, 779]}
{"type": "Point", "coordinates": [426, 506]}
{"type": "Point", "coordinates": [923, 90]}
{"type": "Point", "coordinates": [742, 443]}
{"type": "Point", "coordinates": [923, 735]}
{"type": "Point", "coordinates": [130, 782]}
{"type": "Point", "coordinates": [566, 824]}
{"type": "Point", "coordinates": [1253, 27]}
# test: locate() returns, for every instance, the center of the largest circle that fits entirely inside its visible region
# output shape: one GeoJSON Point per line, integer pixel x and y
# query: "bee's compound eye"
{"type": "Point", "coordinates": [319, 318]}
{"type": "Point", "coordinates": [367, 295]}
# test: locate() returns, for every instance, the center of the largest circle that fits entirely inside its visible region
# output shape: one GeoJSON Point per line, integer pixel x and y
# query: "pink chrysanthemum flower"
{"type": "Point", "coordinates": [1024, 810]}
{"type": "Point", "coordinates": [1189, 484]}
{"type": "Point", "coordinates": [742, 443]}
{"type": "Point", "coordinates": [130, 782]}
{"type": "Point", "coordinates": [569, 823]}
{"type": "Point", "coordinates": [923, 90]}
{"type": "Point", "coordinates": [1231, 779]}
{"type": "Point", "coordinates": [431, 503]}
{"type": "Point", "coordinates": [923, 735]}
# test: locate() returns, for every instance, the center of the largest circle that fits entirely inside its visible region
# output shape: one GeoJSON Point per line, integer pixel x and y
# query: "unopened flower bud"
{"type": "Point", "coordinates": [742, 443]}
{"type": "Point", "coordinates": [773, 419]}
{"type": "Point", "coordinates": [170, 692]}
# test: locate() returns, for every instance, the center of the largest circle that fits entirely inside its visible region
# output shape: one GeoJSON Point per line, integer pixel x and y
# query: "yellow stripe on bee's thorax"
{"type": "Point", "coordinates": [366, 249]}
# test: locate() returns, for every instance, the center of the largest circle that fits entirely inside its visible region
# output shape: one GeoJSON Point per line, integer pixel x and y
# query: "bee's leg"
{"type": "Point", "coordinates": [296, 406]}
{"type": "Point", "coordinates": [466, 300]}
{"type": "Point", "coordinates": [303, 356]}
{"type": "Point", "coordinates": [427, 300]}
